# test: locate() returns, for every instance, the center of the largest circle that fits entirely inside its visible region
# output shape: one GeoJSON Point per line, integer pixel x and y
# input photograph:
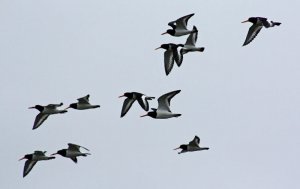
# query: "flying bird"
{"type": "Point", "coordinates": [170, 55]}
{"type": "Point", "coordinates": [72, 152]}
{"type": "Point", "coordinates": [45, 111]}
{"type": "Point", "coordinates": [32, 159]}
{"type": "Point", "coordinates": [190, 46]}
{"type": "Point", "coordinates": [179, 26]}
{"type": "Point", "coordinates": [131, 97]}
{"type": "Point", "coordinates": [163, 111]}
{"type": "Point", "coordinates": [257, 24]}
{"type": "Point", "coordinates": [83, 104]}
{"type": "Point", "coordinates": [192, 146]}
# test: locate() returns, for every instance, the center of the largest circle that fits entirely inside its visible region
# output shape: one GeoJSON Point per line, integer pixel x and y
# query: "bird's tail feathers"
{"type": "Point", "coordinates": [149, 98]}
{"type": "Point", "coordinates": [201, 49]}
{"type": "Point", "coordinates": [85, 154]}
{"type": "Point", "coordinates": [276, 23]}
{"type": "Point", "coordinates": [63, 111]}
{"type": "Point", "coordinates": [177, 115]}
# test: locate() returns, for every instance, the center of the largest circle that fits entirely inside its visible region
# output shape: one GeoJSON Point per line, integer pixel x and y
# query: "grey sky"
{"type": "Point", "coordinates": [243, 102]}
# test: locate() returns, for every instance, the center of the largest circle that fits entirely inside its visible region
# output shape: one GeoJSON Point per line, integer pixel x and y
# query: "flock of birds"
{"type": "Point", "coordinates": [179, 28]}
{"type": "Point", "coordinates": [163, 111]}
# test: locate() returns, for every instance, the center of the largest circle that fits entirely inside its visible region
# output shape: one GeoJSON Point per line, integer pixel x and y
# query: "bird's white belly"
{"type": "Point", "coordinates": [52, 111]}
{"type": "Point", "coordinates": [190, 48]}
{"type": "Point", "coordinates": [164, 114]}
{"type": "Point", "coordinates": [84, 106]}
{"type": "Point", "coordinates": [181, 32]}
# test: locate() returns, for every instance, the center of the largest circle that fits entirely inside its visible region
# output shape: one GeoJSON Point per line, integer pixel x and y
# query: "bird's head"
{"type": "Point", "coordinates": [251, 19]}
{"type": "Point", "coordinates": [38, 107]}
{"type": "Point", "coordinates": [27, 156]}
{"type": "Point", "coordinates": [169, 31]}
{"type": "Point", "coordinates": [62, 152]}
{"type": "Point", "coordinates": [152, 114]}
{"type": "Point", "coordinates": [128, 95]}
{"type": "Point", "coordinates": [163, 46]}
{"type": "Point", "coordinates": [73, 105]}
{"type": "Point", "coordinates": [183, 147]}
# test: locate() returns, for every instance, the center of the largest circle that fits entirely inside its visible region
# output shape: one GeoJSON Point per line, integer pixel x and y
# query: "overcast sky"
{"type": "Point", "coordinates": [243, 102]}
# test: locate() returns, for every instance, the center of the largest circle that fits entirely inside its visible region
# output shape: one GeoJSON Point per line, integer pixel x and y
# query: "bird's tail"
{"type": "Point", "coordinates": [63, 111]}
{"type": "Point", "coordinates": [51, 157]}
{"type": "Point", "coordinates": [149, 98]}
{"type": "Point", "coordinates": [276, 23]}
{"type": "Point", "coordinates": [201, 49]}
{"type": "Point", "coordinates": [177, 115]}
{"type": "Point", "coordinates": [85, 154]}
{"type": "Point", "coordinates": [206, 148]}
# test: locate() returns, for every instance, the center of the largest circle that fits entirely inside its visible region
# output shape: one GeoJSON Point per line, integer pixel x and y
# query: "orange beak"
{"type": "Point", "coordinates": [22, 158]}
{"type": "Point", "coordinates": [176, 148]}
{"type": "Point", "coordinates": [245, 21]}
{"type": "Point", "coordinates": [164, 33]}
{"type": "Point", "coordinates": [157, 48]}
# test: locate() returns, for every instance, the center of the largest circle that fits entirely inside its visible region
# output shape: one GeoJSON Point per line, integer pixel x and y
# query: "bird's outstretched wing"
{"type": "Point", "coordinates": [126, 106]}
{"type": "Point", "coordinates": [74, 159]}
{"type": "Point", "coordinates": [143, 101]}
{"type": "Point", "coordinates": [192, 39]}
{"type": "Point", "coordinates": [181, 23]}
{"type": "Point", "coordinates": [165, 100]}
{"type": "Point", "coordinates": [29, 164]}
{"type": "Point", "coordinates": [84, 100]}
{"type": "Point", "coordinates": [180, 58]}
{"type": "Point", "coordinates": [252, 33]}
{"type": "Point", "coordinates": [75, 147]}
{"type": "Point", "coordinates": [177, 56]}
{"type": "Point", "coordinates": [195, 142]}
{"type": "Point", "coordinates": [168, 60]}
{"type": "Point", "coordinates": [39, 119]}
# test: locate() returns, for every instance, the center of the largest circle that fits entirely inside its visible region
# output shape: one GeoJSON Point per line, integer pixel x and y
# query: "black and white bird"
{"type": "Point", "coordinates": [179, 26]}
{"type": "Point", "coordinates": [163, 111]}
{"type": "Point", "coordinates": [83, 104]}
{"type": "Point", "coordinates": [170, 55]}
{"type": "Point", "coordinates": [190, 46]}
{"type": "Point", "coordinates": [257, 24]}
{"type": "Point", "coordinates": [45, 111]}
{"type": "Point", "coordinates": [72, 152]}
{"type": "Point", "coordinates": [192, 146]}
{"type": "Point", "coordinates": [131, 97]}
{"type": "Point", "coordinates": [32, 159]}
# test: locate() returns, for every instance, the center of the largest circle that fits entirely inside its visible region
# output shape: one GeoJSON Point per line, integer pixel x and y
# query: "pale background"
{"type": "Point", "coordinates": [243, 102]}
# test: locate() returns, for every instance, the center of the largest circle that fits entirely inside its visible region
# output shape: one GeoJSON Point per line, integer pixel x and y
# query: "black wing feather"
{"type": "Point", "coordinates": [29, 164]}
{"type": "Point", "coordinates": [126, 106]}
{"type": "Point", "coordinates": [252, 33]}
{"type": "Point", "coordinates": [39, 120]}
{"type": "Point", "coordinates": [169, 61]}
